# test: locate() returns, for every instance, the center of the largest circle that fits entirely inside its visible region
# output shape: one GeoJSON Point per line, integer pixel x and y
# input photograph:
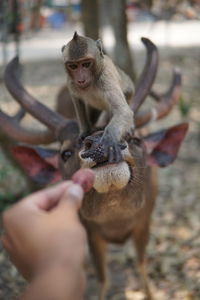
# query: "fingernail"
{"type": "Point", "coordinates": [75, 191]}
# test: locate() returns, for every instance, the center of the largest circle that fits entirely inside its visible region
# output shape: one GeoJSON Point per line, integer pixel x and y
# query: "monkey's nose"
{"type": "Point", "coordinates": [81, 81]}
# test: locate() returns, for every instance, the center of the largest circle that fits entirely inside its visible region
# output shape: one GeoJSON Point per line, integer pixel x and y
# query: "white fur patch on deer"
{"type": "Point", "coordinates": [111, 177]}
{"type": "Point", "coordinates": [108, 176]}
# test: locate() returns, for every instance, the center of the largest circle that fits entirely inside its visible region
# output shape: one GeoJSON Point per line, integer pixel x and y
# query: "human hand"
{"type": "Point", "coordinates": [43, 230]}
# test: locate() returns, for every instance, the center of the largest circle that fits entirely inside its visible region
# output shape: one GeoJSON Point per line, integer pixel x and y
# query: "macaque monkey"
{"type": "Point", "coordinates": [94, 82]}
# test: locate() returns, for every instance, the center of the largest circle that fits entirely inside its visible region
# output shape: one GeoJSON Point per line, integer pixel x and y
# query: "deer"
{"type": "Point", "coordinates": [123, 197]}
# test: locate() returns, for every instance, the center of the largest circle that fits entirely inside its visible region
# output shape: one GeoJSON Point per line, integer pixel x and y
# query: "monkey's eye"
{"type": "Point", "coordinates": [86, 64]}
{"type": "Point", "coordinates": [73, 66]}
{"type": "Point", "coordinates": [66, 154]}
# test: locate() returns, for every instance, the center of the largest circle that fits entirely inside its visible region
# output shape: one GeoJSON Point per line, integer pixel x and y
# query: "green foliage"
{"type": "Point", "coordinates": [3, 174]}
{"type": "Point", "coordinates": [6, 200]}
{"type": "Point", "coordinates": [184, 107]}
{"type": "Point", "coordinates": [11, 183]}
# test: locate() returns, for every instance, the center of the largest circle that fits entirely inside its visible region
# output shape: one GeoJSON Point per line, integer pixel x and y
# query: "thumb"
{"type": "Point", "coordinates": [73, 195]}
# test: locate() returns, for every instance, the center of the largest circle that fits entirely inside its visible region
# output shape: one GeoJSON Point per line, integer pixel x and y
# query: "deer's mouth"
{"type": "Point", "coordinates": [108, 176]}
{"type": "Point", "coordinates": [101, 164]}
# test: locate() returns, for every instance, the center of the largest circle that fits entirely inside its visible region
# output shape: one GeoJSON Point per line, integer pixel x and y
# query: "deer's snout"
{"type": "Point", "coordinates": [93, 150]}
{"type": "Point", "coordinates": [108, 176]}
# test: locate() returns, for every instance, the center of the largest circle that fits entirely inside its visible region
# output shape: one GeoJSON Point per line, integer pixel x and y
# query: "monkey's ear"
{"type": "Point", "coordinates": [63, 48]}
{"type": "Point", "coordinates": [100, 47]}
{"type": "Point", "coordinates": [40, 164]}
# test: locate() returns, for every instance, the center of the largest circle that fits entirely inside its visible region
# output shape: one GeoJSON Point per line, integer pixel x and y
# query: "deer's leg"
{"type": "Point", "coordinates": [140, 238]}
{"type": "Point", "coordinates": [98, 248]}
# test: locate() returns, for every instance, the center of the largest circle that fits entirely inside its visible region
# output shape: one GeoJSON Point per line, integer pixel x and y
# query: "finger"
{"type": "Point", "coordinates": [72, 196]}
{"type": "Point", "coordinates": [48, 198]}
{"type": "Point", "coordinates": [118, 154]}
{"type": "Point", "coordinates": [111, 154]}
{"type": "Point", "coordinates": [29, 207]}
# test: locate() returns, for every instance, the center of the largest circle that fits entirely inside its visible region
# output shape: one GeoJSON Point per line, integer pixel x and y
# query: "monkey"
{"type": "Point", "coordinates": [96, 83]}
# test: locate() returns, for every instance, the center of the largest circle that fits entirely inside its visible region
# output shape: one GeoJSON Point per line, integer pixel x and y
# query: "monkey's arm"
{"type": "Point", "coordinates": [120, 124]}
{"type": "Point", "coordinates": [126, 85]}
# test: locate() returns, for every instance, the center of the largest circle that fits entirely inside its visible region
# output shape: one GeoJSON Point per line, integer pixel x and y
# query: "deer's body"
{"type": "Point", "coordinates": [120, 204]}
{"type": "Point", "coordinates": [117, 214]}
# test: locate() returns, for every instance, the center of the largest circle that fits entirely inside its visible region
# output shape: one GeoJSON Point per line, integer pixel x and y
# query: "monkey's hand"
{"type": "Point", "coordinates": [111, 147]}
{"type": "Point", "coordinates": [82, 136]}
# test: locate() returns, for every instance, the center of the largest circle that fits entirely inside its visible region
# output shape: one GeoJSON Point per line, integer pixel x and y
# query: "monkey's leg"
{"type": "Point", "coordinates": [103, 119]}
{"type": "Point", "coordinates": [81, 114]}
{"type": "Point", "coordinates": [140, 238]}
{"type": "Point", "coordinates": [92, 115]}
{"type": "Point", "coordinates": [64, 104]}
{"type": "Point", "coordinates": [98, 251]}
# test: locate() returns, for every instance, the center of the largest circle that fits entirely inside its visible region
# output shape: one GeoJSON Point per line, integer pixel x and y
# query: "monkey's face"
{"type": "Point", "coordinates": [83, 59]}
{"type": "Point", "coordinates": [80, 72]}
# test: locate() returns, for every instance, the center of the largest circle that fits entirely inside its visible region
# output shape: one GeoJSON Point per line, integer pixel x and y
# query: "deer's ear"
{"type": "Point", "coordinates": [163, 146]}
{"type": "Point", "coordinates": [40, 164]}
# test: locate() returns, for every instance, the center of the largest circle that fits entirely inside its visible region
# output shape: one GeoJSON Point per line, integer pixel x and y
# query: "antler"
{"type": "Point", "coordinates": [51, 119]}
{"type": "Point", "coordinates": [145, 82]}
{"type": "Point", "coordinates": [165, 104]}
{"type": "Point", "coordinates": [41, 112]}
{"type": "Point", "coordinates": [10, 125]}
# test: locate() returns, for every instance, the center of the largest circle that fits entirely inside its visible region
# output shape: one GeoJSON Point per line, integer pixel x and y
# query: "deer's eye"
{"type": "Point", "coordinates": [73, 66]}
{"type": "Point", "coordinates": [137, 141]}
{"type": "Point", "coordinates": [66, 154]}
{"type": "Point", "coordinates": [86, 64]}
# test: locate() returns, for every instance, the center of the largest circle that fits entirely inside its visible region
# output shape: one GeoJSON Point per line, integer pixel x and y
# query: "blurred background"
{"type": "Point", "coordinates": [35, 30]}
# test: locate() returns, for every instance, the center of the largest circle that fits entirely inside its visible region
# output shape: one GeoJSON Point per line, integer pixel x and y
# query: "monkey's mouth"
{"type": "Point", "coordinates": [84, 86]}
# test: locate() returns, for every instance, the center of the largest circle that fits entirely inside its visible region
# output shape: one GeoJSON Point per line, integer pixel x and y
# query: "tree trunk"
{"type": "Point", "coordinates": [90, 18]}
{"type": "Point", "coordinates": [35, 15]}
{"type": "Point", "coordinates": [122, 54]}
{"type": "Point", "coordinates": [146, 4]}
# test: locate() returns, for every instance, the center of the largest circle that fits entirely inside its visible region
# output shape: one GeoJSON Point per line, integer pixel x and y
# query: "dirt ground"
{"type": "Point", "coordinates": [174, 249]}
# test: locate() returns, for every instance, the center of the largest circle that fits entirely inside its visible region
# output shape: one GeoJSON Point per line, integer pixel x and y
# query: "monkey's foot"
{"type": "Point", "coordinates": [111, 149]}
